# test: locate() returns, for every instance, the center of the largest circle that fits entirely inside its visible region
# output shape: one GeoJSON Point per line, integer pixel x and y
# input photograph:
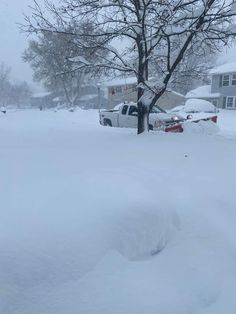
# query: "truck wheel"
{"type": "Point", "coordinates": [150, 127]}
{"type": "Point", "coordinates": [107, 122]}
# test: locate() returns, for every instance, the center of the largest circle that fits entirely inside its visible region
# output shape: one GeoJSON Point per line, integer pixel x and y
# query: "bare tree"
{"type": "Point", "coordinates": [193, 71]}
{"type": "Point", "coordinates": [20, 94]}
{"type": "Point", "coordinates": [160, 31]}
{"type": "Point", "coordinates": [52, 56]}
{"type": "Point", "coordinates": [12, 93]}
{"type": "Point", "coordinates": [5, 85]}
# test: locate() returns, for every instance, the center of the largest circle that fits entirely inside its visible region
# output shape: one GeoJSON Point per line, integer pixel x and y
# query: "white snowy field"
{"type": "Point", "coordinates": [97, 220]}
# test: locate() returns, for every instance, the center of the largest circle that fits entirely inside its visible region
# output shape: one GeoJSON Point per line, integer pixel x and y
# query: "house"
{"type": "Point", "coordinates": [89, 96]}
{"type": "Point", "coordinates": [92, 101]}
{"type": "Point", "coordinates": [125, 89]}
{"type": "Point", "coordinates": [92, 96]}
{"type": "Point", "coordinates": [42, 100]}
{"type": "Point", "coordinates": [222, 91]}
{"type": "Point", "coordinates": [121, 90]}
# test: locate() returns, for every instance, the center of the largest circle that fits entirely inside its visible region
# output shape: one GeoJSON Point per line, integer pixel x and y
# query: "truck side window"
{"type": "Point", "coordinates": [133, 111]}
{"type": "Point", "coordinates": [124, 109]}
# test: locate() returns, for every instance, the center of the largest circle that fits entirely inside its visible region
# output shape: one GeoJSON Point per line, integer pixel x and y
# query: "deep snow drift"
{"type": "Point", "coordinates": [97, 220]}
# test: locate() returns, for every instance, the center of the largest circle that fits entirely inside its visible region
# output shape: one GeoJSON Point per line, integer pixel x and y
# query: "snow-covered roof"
{"type": "Point", "coordinates": [202, 92]}
{"type": "Point", "coordinates": [224, 68]}
{"type": "Point", "coordinates": [121, 81]}
{"type": "Point", "coordinates": [41, 95]}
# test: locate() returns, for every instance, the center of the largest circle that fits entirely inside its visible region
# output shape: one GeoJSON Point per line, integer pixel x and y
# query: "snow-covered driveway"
{"type": "Point", "coordinates": [97, 220]}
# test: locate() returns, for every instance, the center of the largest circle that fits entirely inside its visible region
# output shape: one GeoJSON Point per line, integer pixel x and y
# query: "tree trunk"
{"type": "Point", "coordinates": [142, 118]}
{"type": "Point", "coordinates": [66, 92]}
{"type": "Point", "coordinates": [142, 77]}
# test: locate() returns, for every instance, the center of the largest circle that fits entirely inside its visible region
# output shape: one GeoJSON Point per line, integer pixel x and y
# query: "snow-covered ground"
{"type": "Point", "coordinates": [97, 220]}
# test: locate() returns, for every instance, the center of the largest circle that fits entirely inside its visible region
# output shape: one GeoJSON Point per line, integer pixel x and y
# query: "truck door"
{"type": "Point", "coordinates": [123, 116]}
{"type": "Point", "coordinates": [132, 118]}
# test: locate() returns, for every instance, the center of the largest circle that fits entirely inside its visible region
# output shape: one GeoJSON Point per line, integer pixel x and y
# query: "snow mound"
{"type": "Point", "coordinates": [202, 127]}
{"type": "Point", "coordinates": [199, 105]}
{"type": "Point", "coordinates": [144, 232]}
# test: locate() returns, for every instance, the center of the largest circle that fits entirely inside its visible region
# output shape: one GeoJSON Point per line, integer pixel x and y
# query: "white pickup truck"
{"type": "Point", "coordinates": [126, 115]}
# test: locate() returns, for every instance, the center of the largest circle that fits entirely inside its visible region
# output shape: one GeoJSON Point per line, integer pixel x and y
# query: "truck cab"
{"type": "Point", "coordinates": [126, 115]}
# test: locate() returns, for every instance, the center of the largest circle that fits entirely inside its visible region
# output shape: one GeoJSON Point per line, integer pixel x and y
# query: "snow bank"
{"type": "Point", "coordinates": [99, 220]}
{"type": "Point", "coordinates": [202, 127]}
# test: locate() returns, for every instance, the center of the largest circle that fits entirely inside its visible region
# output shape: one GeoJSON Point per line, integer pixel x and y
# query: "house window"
{"type": "Point", "coordinates": [234, 79]}
{"type": "Point", "coordinates": [225, 81]}
{"type": "Point", "coordinates": [118, 89]}
{"type": "Point", "coordinates": [230, 102]}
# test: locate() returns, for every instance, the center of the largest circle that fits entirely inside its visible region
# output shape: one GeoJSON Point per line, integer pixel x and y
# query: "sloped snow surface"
{"type": "Point", "coordinates": [98, 220]}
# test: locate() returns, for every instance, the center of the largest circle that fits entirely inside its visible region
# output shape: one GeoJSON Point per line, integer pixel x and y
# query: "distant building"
{"type": "Point", "coordinates": [92, 101]}
{"type": "Point", "coordinates": [125, 89]}
{"type": "Point", "coordinates": [89, 97]}
{"type": "Point", "coordinates": [92, 97]}
{"type": "Point", "coordinates": [42, 100]}
{"type": "Point", "coordinates": [222, 91]}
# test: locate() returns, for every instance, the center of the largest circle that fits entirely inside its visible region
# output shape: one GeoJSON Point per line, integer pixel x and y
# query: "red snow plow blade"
{"type": "Point", "coordinates": [178, 128]}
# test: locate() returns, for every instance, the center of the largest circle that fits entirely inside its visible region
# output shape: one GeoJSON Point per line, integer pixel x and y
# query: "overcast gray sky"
{"type": "Point", "coordinates": [13, 42]}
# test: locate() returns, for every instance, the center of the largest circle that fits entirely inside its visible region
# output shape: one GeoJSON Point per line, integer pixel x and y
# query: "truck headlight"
{"type": "Point", "coordinates": [159, 124]}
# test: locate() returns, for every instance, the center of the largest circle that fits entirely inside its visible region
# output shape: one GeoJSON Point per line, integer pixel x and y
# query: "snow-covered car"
{"type": "Point", "coordinates": [196, 107]}
{"type": "Point", "coordinates": [199, 105]}
{"type": "Point", "coordinates": [125, 115]}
